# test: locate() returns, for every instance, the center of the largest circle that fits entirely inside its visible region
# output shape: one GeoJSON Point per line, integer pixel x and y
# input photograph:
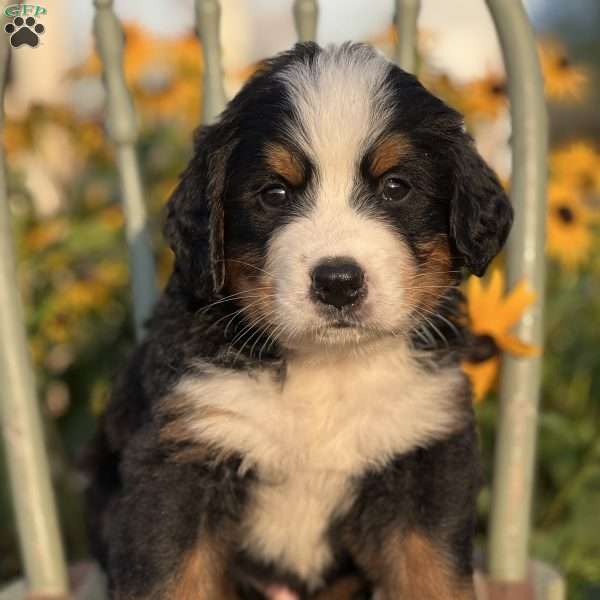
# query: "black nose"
{"type": "Point", "coordinates": [337, 281]}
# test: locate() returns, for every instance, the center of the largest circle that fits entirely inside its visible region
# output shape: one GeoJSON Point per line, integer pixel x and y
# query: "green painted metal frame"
{"type": "Point", "coordinates": [306, 17]}
{"type": "Point", "coordinates": [208, 19]}
{"type": "Point", "coordinates": [22, 430]}
{"type": "Point", "coordinates": [407, 13]}
{"type": "Point", "coordinates": [123, 130]}
{"type": "Point", "coordinates": [521, 377]}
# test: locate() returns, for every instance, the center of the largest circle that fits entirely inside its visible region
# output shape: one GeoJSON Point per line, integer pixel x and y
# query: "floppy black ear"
{"type": "Point", "coordinates": [481, 214]}
{"type": "Point", "coordinates": [194, 222]}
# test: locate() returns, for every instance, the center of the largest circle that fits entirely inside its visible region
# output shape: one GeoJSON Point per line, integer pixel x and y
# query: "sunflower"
{"type": "Point", "coordinates": [577, 165]}
{"type": "Point", "coordinates": [485, 97]}
{"type": "Point", "coordinates": [569, 238]}
{"type": "Point", "coordinates": [492, 313]}
{"type": "Point", "coordinates": [562, 79]}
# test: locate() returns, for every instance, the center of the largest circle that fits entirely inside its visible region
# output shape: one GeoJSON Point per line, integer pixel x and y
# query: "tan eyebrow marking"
{"type": "Point", "coordinates": [388, 153]}
{"type": "Point", "coordinates": [284, 163]}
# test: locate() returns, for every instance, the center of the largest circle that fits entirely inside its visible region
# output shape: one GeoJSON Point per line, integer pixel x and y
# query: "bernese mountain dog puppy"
{"type": "Point", "coordinates": [295, 423]}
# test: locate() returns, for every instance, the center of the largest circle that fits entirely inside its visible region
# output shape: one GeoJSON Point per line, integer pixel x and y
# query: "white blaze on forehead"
{"type": "Point", "coordinates": [341, 105]}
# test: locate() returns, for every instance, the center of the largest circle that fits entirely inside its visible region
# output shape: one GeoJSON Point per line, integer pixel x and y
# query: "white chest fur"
{"type": "Point", "coordinates": [309, 436]}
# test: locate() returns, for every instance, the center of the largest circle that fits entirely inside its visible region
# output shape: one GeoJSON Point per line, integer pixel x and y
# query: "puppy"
{"type": "Point", "coordinates": [295, 424]}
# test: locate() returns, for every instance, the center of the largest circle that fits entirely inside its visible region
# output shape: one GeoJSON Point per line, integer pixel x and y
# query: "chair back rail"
{"type": "Point", "coordinates": [34, 503]}
{"type": "Point", "coordinates": [123, 131]}
{"type": "Point", "coordinates": [521, 377]}
{"type": "Point", "coordinates": [208, 24]}
{"type": "Point", "coordinates": [407, 14]}
{"type": "Point", "coordinates": [306, 16]}
{"type": "Point", "coordinates": [33, 498]}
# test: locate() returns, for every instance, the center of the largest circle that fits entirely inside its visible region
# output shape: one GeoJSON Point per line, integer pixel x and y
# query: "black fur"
{"type": "Point", "coordinates": [194, 224]}
{"type": "Point", "coordinates": [148, 507]}
{"type": "Point", "coordinates": [481, 216]}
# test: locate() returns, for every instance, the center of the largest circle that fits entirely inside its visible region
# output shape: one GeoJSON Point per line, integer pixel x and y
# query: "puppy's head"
{"type": "Point", "coordinates": [335, 200]}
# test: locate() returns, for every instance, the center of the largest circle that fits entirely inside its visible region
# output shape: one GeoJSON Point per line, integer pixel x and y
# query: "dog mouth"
{"type": "Point", "coordinates": [334, 320]}
{"type": "Point", "coordinates": [353, 316]}
{"type": "Point", "coordinates": [344, 330]}
{"type": "Point", "coordinates": [344, 324]}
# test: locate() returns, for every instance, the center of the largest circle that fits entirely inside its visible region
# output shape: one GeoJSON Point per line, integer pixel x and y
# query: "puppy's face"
{"type": "Point", "coordinates": [345, 201]}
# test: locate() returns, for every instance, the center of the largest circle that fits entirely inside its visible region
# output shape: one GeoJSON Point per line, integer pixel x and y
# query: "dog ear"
{"type": "Point", "coordinates": [194, 222]}
{"type": "Point", "coordinates": [480, 214]}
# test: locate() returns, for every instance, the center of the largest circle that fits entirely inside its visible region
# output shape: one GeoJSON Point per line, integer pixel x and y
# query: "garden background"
{"type": "Point", "coordinates": [73, 269]}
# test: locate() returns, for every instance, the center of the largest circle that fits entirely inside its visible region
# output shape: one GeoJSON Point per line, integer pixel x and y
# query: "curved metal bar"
{"type": "Point", "coordinates": [407, 13]}
{"type": "Point", "coordinates": [208, 20]}
{"type": "Point", "coordinates": [33, 497]}
{"type": "Point", "coordinates": [520, 381]}
{"type": "Point", "coordinates": [306, 16]}
{"type": "Point", "coordinates": [122, 128]}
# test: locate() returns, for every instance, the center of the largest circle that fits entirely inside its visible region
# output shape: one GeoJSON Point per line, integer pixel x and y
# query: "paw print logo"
{"type": "Point", "coordinates": [24, 31]}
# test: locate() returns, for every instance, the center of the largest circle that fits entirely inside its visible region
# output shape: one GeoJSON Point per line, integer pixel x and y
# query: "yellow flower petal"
{"type": "Point", "coordinates": [484, 302]}
{"type": "Point", "coordinates": [513, 345]}
{"type": "Point", "coordinates": [562, 79]}
{"type": "Point", "coordinates": [474, 290]}
{"type": "Point", "coordinates": [569, 221]}
{"type": "Point", "coordinates": [486, 97]}
{"type": "Point", "coordinates": [515, 303]}
{"type": "Point", "coordinates": [495, 287]}
{"type": "Point", "coordinates": [482, 376]}
{"type": "Point", "coordinates": [493, 312]}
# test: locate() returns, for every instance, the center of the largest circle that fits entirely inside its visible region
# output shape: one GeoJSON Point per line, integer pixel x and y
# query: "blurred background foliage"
{"type": "Point", "coordinates": [74, 277]}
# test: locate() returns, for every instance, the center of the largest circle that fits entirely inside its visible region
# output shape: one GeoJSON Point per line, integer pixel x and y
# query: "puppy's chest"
{"type": "Point", "coordinates": [309, 437]}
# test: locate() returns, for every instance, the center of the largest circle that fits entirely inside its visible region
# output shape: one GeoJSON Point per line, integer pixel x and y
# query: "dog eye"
{"type": "Point", "coordinates": [395, 189]}
{"type": "Point", "coordinates": [274, 195]}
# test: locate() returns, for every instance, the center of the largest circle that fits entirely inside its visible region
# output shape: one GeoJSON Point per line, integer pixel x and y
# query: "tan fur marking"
{"type": "Point", "coordinates": [284, 163]}
{"type": "Point", "coordinates": [252, 287]}
{"type": "Point", "coordinates": [203, 576]}
{"type": "Point", "coordinates": [415, 568]}
{"type": "Point", "coordinates": [432, 278]}
{"type": "Point", "coordinates": [389, 153]}
{"type": "Point", "coordinates": [343, 589]}
{"type": "Point", "coordinates": [175, 431]}
{"type": "Point", "coordinates": [428, 574]}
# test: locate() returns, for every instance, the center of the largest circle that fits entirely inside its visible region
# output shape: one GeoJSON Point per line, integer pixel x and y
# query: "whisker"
{"type": "Point", "coordinates": [235, 296]}
{"type": "Point", "coordinates": [432, 325]}
{"type": "Point", "coordinates": [273, 335]}
{"type": "Point", "coordinates": [241, 262]}
{"type": "Point", "coordinates": [258, 331]}
{"type": "Point", "coordinates": [429, 273]}
{"type": "Point", "coordinates": [236, 313]}
{"type": "Point", "coordinates": [452, 325]}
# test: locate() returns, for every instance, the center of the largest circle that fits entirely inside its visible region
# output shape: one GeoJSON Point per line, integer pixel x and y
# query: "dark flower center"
{"type": "Point", "coordinates": [483, 348]}
{"type": "Point", "coordinates": [564, 62]}
{"type": "Point", "coordinates": [587, 182]}
{"type": "Point", "coordinates": [498, 89]}
{"type": "Point", "coordinates": [565, 214]}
